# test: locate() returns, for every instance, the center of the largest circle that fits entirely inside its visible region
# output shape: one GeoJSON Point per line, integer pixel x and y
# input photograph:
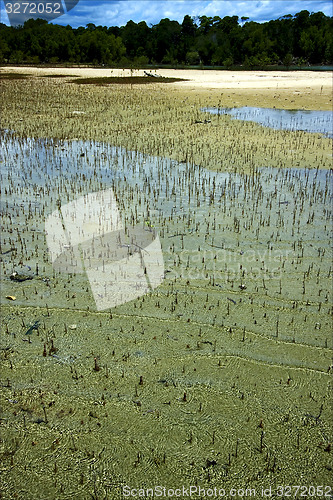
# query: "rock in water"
{"type": "Point", "coordinates": [19, 277]}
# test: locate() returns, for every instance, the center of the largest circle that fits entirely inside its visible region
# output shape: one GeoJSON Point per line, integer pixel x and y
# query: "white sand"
{"type": "Point", "coordinates": [209, 79]}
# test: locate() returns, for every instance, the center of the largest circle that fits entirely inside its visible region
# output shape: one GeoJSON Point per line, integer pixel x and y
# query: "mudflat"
{"type": "Point", "coordinates": [221, 376]}
{"type": "Point", "coordinates": [313, 89]}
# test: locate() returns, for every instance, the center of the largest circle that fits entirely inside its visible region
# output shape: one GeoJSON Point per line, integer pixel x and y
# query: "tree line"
{"type": "Point", "coordinates": [300, 39]}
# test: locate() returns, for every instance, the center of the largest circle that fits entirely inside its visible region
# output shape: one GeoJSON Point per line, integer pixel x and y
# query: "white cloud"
{"type": "Point", "coordinates": [119, 12]}
{"type": "Point", "coordinates": [152, 11]}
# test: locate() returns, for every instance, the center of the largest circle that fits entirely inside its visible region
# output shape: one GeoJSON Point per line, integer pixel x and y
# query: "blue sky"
{"type": "Point", "coordinates": [118, 12]}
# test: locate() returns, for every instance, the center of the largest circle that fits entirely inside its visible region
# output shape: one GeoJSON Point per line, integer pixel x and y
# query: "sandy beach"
{"type": "Point", "coordinates": [207, 79]}
{"type": "Point", "coordinates": [310, 90]}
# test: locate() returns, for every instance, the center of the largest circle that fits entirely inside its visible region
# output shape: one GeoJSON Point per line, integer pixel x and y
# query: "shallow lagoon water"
{"type": "Point", "coordinates": [308, 121]}
{"type": "Point", "coordinates": [215, 228]}
{"type": "Point", "coordinates": [236, 338]}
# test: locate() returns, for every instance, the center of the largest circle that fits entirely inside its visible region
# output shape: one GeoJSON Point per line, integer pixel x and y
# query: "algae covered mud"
{"type": "Point", "coordinates": [219, 378]}
{"type": "Point", "coordinates": [166, 120]}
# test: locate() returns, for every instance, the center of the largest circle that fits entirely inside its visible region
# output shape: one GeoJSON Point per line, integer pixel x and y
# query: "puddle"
{"type": "Point", "coordinates": [308, 121]}
{"type": "Point", "coordinates": [167, 385]}
{"type": "Point", "coordinates": [215, 229]}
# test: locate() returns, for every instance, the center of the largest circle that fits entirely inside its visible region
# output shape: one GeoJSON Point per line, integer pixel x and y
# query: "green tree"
{"type": "Point", "coordinates": [135, 37]}
{"type": "Point", "coordinates": [187, 39]}
{"type": "Point", "coordinates": [203, 40]}
{"type": "Point", "coordinates": [166, 37]}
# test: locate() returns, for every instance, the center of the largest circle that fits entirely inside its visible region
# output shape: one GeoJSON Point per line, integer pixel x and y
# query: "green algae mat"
{"type": "Point", "coordinates": [216, 382]}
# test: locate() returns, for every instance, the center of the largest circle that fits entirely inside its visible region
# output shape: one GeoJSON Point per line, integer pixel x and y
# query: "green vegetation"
{"type": "Point", "coordinates": [121, 80]}
{"type": "Point", "coordinates": [165, 121]}
{"type": "Point", "coordinates": [220, 377]}
{"type": "Point", "coordinates": [57, 76]}
{"type": "Point", "coordinates": [301, 39]}
{"type": "Point", "coordinates": [13, 76]}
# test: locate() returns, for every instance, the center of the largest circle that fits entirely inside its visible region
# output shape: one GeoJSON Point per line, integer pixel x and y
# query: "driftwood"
{"type": "Point", "coordinates": [152, 75]}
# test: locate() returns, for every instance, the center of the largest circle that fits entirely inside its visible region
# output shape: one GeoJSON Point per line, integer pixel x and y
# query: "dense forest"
{"type": "Point", "coordinates": [302, 39]}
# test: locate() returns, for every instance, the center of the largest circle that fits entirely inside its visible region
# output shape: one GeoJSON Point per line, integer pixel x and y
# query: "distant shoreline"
{"type": "Point", "coordinates": [198, 78]}
{"type": "Point", "coordinates": [241, 68]}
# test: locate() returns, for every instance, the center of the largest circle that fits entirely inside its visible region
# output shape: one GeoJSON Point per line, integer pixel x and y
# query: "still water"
{"type": "Point", "coordinates": [308, 121]}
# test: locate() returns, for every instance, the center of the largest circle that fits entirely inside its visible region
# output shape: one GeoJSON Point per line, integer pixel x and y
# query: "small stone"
{"type": "Point", "coordinates": [19, 277]}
